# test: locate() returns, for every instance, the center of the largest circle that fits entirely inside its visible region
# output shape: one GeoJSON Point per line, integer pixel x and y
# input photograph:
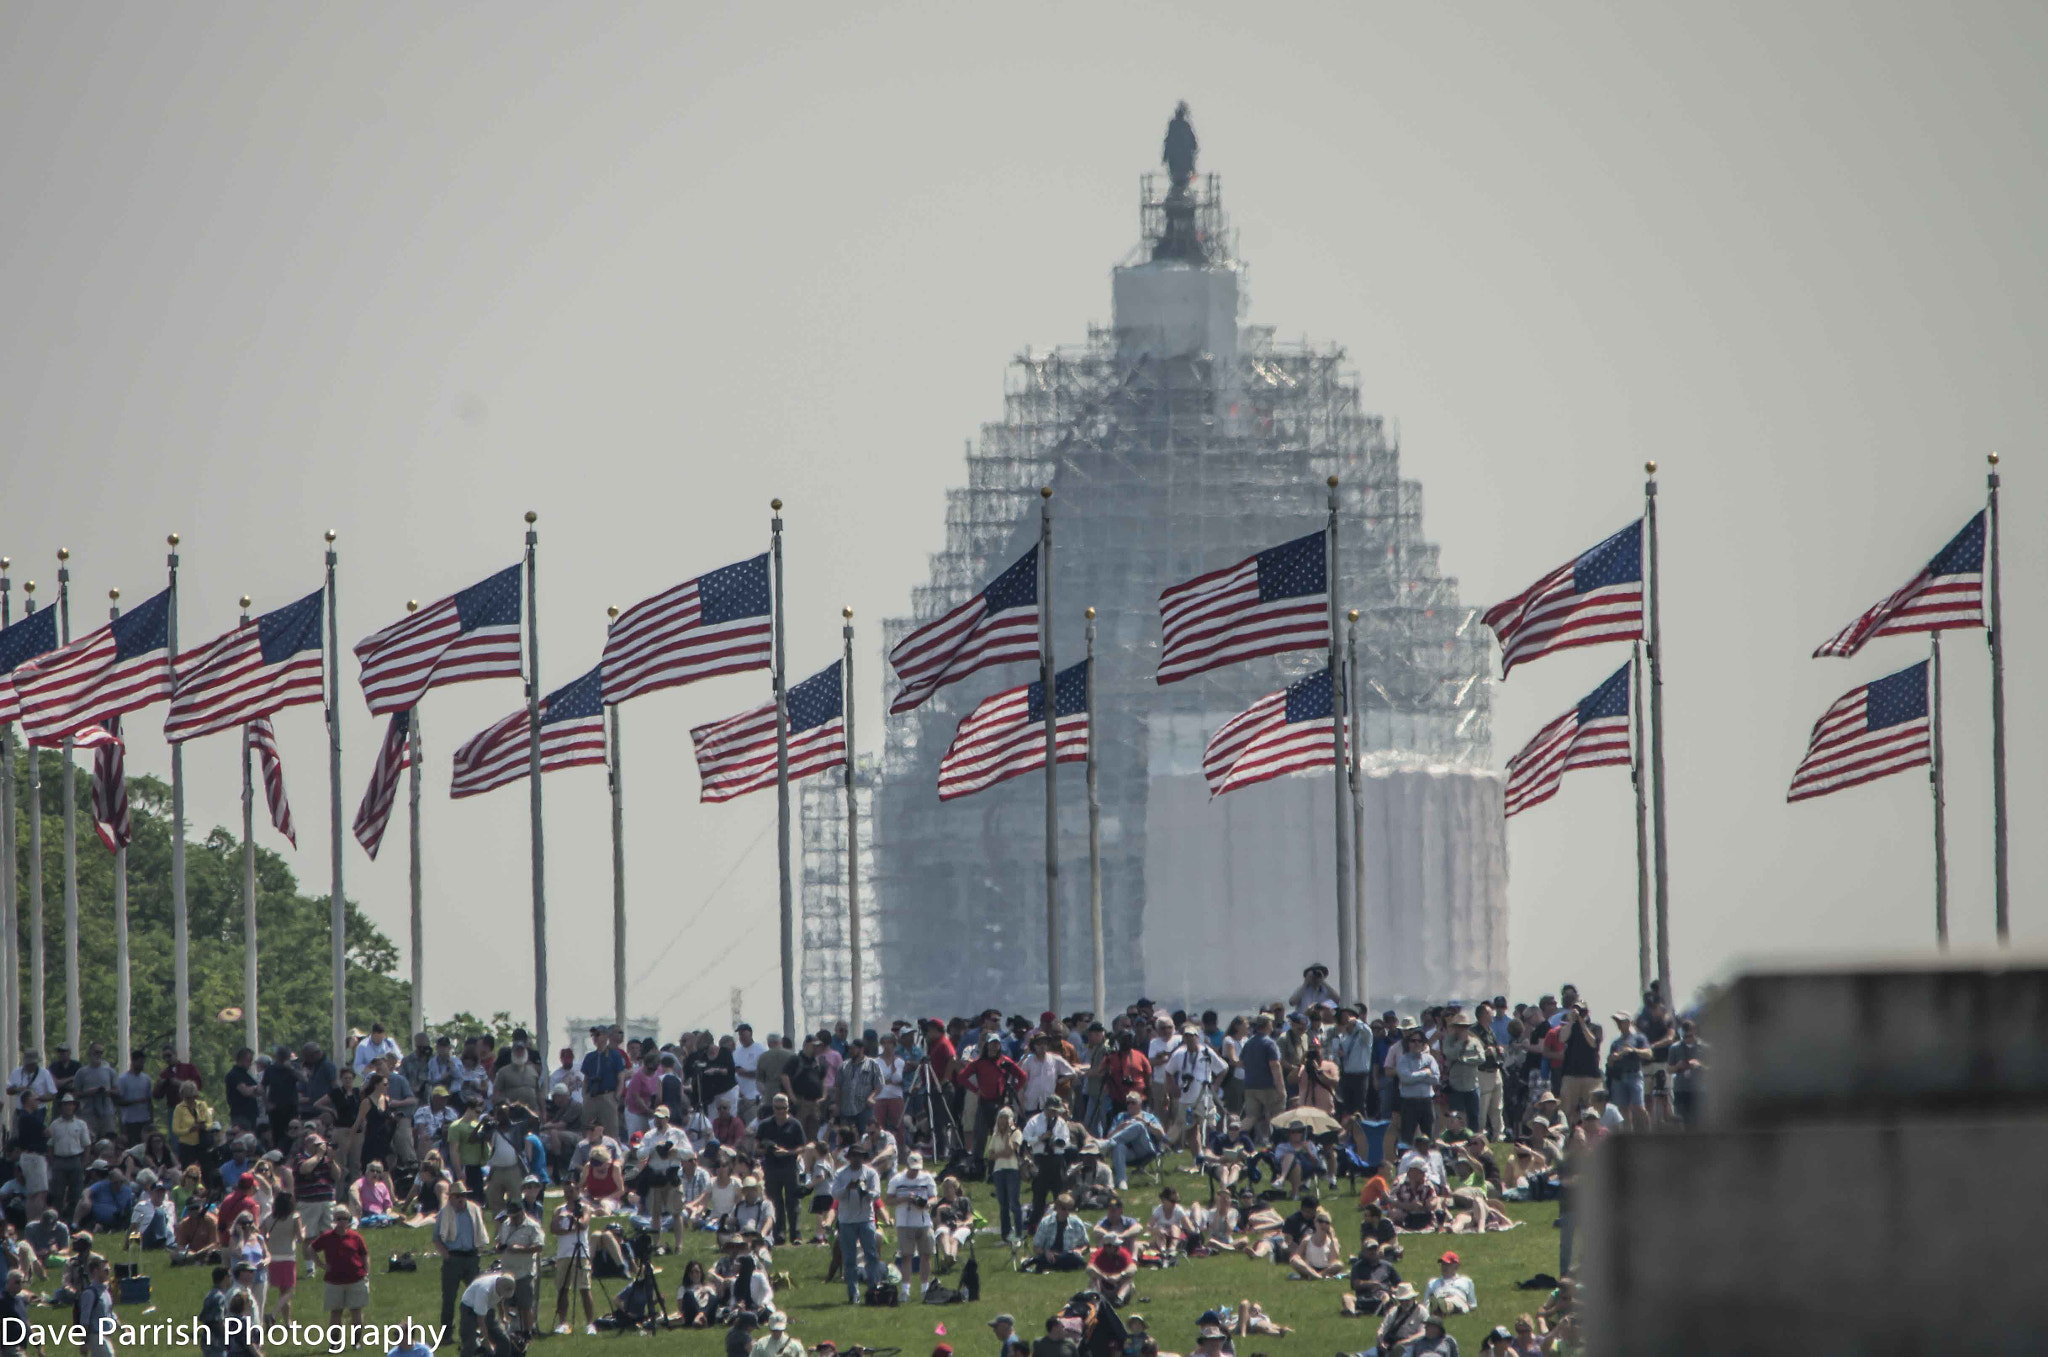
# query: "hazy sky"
{"type": "Point", "coordinates": [408, 271]}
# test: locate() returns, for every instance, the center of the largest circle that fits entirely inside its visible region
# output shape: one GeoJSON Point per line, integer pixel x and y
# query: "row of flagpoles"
{"type": "Point", "coordinates": [67, 693]}
{"type": "Point", "coordinates": [1886, 726]}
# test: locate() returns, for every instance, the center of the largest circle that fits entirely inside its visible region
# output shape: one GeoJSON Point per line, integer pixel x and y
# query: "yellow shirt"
{"type": "Point", "coordinates": [188, 1119]}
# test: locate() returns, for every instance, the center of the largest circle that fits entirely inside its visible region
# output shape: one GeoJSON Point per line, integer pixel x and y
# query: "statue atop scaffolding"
{"type": "Point", "coordinates": [1180, 240]}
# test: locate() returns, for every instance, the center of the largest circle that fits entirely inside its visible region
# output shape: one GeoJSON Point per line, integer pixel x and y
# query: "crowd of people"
{"type": "Point", "coordinates": [860, 1142]}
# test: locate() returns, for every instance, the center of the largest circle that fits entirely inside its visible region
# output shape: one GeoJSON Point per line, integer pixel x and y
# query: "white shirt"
{"type": "Point", "coordinates": [481, 1295]}
{"type": "Point", "coordinates": [745, 1060]}
{"type": "Point", "coordinates": [921, 1186]}
{"type": "Point", "coordinates": [892, 1078]}
{"type": "Point", "coordinates": [571, 1079]}
{"type": "Point", "coordinates": [1612, 1118]}
{"type": "Point", "coordinates": [671, 1137]}
{"type": "Point", "coordinates": [1042, 1074]}
{"type": "Point", "coordinates": [70, 1137]}
{"type": "Point", "coordinates": [42, 1082]}
{"type": "Point", "coordinates": [369, 1048]}
{"type": "Point", "coordinates": [1432, 1166]}
{"type": "Point", "coordinates": [1044, 1134]}
{"type": "Point", "coordinates": [722, 1195]}
{"type": "Point", "coordinates": [1161, 1049]}
{"type": "Point", "coordinates": [1460, 1285]}
{"type": "Point", "coordinates": [1193, 1071]}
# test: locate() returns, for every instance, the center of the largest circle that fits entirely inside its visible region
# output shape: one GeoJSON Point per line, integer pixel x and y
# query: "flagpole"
{"type": "Point", "coordinates": [1996, 638]}
{"type": "Point", "coordinates": [36, 968]}
{"type": "Point", "coordinates": [540, 876]}
{"type": "Point", "coordinates": [1935, 768]}
{"type": "Point", "coordinates": [1656, 653]}
{"type": "Point", "coordinates": [417, 923]}
{"type": "Point", "coordinates": [10, 905]}
{"type": "Point", "coordinates": [1046, 673]}
{"type": "Point", "coordinates": [1361, 970]}
{"type": "Point", "coordinates": [788, 905]}
{"type": "Point", "coordinates": [1636, 775]}
{"type": "Point", "coordinates": [618, 781]}
{"type": "Point", "coordinates": [250, 1027]}
{"type": "Point", "coordinates": [1101, 995]}
{"type": "Point", "coordinates": [124, 994]}
{"type": "Point", "coordinates": [852, 826]}
{"type": "Point", "coordinates": [337, 942]}
{"type": "Point", "coordinates": [68, 789]}
{"type": "Point", "coordinates": [1346, 956]}
{"type": "Point", "coordinates": [181, 940]}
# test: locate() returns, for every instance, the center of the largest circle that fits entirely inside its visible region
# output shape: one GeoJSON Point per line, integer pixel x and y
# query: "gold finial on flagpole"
{"type": "Point", "coordinates": [114, 594]}
{"type": "Point", "coordinates": [1650, 468]}
{"type": "Point", "coordinates": [172, 539]}
{"type": "Point", "coordinates": [330, 535]}
{"type": "Point", "coordinates": [245, 601]}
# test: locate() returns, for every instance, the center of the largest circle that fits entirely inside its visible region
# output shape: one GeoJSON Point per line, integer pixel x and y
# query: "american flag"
{"type": "Point", "coordinates": [470, 635]}
{"type": "Point", "coordinates": [997, 625]}
{"type": "Point", "coordinates": [1870, 732]}
{"type": "Point", "coordinates": [1598, 597]}
{"type": "Point", "coordinates": [1004, 737]}
{"type": "Point", "coordinates": [1949, 593]}
{"type": "Point", "coordinates": [382, 794]}
{"type": "Point", "coordinates": [571, 735]}
{"type": "Point", "coordinates": [737, 755]}
{"type": "Point", "coordinates": [33, 635]}
{"type": "Point", "coordinates": [263, 739]}
{"type": "Point", "coordinates": [258, 668]}
{"type": "Point", "coordinates": [123, 666]}
{"type": "Point", "coordinates": [110, 788]}
{"type": "Point", "coordinates": [1593, 734]}
{"type": "Point", "coordinates": [719, 623]}
{"type": "Point", "coordinates": [1274, 601]}
{"type": "Point", "coordinates": [1284, 732]}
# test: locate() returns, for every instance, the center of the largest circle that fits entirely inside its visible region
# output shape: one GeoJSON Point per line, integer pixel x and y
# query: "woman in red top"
{"type": "Point", "coordinates": [602, 1183]}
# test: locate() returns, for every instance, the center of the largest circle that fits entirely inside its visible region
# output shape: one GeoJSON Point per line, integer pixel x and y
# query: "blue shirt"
{"type": "Point", "coordinates": [1500, 1028]}
{"type": "Point", "coordinates": [108, 1205]}
{"type": "Point", "coordinates": [601, 1070]}
{"type": "Point", "coordinates": [1257, 1056]}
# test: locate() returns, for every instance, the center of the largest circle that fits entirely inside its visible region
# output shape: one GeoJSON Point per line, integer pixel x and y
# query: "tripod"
{"type": "Point", "coordinates": [938, 1111]}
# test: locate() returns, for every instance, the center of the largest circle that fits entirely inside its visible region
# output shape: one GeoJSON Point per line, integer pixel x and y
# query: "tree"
{"type": "Point", "coordinates": [291, 928]}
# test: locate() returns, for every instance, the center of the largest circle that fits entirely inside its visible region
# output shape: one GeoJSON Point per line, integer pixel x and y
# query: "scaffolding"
{"type": "Point", "coordinates": [1163, 465]}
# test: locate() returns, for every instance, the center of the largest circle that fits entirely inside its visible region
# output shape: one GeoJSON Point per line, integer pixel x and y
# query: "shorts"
{"type": "Point", "coordinates": [1627, 1091]}
{"type": "Point", "coordinates": [572, 1271]}
{"type": "Point", "coordinates": [283, 1275]}
{"type": "Point", "coordinates": [35, 1173]}
{"type": "Point", "coordinates": [525, 1295]}
{"type": "Point", "coordinates": [348, 1296]}
{"type": "Point", "coordinates": [665, 1200]}
{"type": "Point", "coordinates": [316, 1217]}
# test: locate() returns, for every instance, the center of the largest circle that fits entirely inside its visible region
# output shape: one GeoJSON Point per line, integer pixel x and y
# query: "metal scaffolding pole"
{"type": "Point", "coordinates": [1101, 991]}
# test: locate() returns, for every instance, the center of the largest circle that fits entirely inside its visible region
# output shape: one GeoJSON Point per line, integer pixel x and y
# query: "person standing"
{"type": "Point", "coordinates": [372, 1047]}
{"type": "Point", "coordinates": [746, 1063]}
{"type": "Point", "coordinates": [860, 1083]}
{"type": "Point", "coordinates": [345, 1267]}
{"type": "Point", "coordinates": [32, 1149]}
{"type": "Point", "coordinates": [912, 1191]}
{"type": "Point", "coordinates": [1464, 1053]}
{"type": "Point", "coordinates": [780, 1137]}
{"type": "Point", "coordinates": [1492, 1076]}
{"type": "Point", "coordinates": [1419, 1076]}
{"type": "Point", "coordinates": [1627, 1055]}
{"type": "Point", "coordinates": [96, 1317]}
{"type": "Point", "coordinates": [603, 1068]}
{"type": "Point", "coordinates": [1687, 1058]}
{"type": "Point", "coordinates": [1580, 1063]}
{"type": "Point", "coordinates": [1265, 1087]}
{"type": "Point", "coordinates": [1194, 1073]}
{"type": "Point", "coordinates": [1351, 1049]}
{"type": "Point", "coordinates": [855, 1189]}
{"type": "Point", "coordinates": [460, 1232]}
{"type": "Point", "coordinates": [70, 1139]}
{"type": "Point", "coordinates": [94, 1085]}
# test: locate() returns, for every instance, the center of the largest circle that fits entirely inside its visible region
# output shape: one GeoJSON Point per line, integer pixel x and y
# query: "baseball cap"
{"type": "Point", "coordinates": [778, 1322]}
{"type": "Point", "coordinates": [1011, 1320]}
{"type": "Point", "coordinates": [914, 1160]}
{"type": "Point", "coordinates": [1449, 1256]}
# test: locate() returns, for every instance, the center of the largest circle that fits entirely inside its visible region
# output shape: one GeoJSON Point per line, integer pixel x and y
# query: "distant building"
{"type": "Point", "coordinates": [1177, 440]}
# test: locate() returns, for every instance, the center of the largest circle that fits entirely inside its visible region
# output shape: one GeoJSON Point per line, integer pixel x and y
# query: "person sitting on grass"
{"type": "Point", "coordinates": [1060, 1239]}
{"type": "Point", "coordinates": [1417, 1204]}
{"type": "Point", "coordinates": [1171, 1225]}
{"type": "Point", "coordinates": [1451, 1292]}
{"type": "Point", "coordinates": [1373, 1280]}
{"type": "Point", "coordinates": [1113, 1271]}
{"type": "Point", "coordinates": [1401, 1322]}
{"type": "Point", "coordinates": [1319, 1256]}
{"type": "Point", "coordinates": [1252, 1319]}
{"type": "Point", "coordinates": [1116, 1225]}
{"type": "Point", "coordinates": [1435, 1341]}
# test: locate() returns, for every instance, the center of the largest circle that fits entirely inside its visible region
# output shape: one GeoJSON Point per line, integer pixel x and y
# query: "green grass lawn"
{"type": "Point", "coordinates": [1172, 1298]}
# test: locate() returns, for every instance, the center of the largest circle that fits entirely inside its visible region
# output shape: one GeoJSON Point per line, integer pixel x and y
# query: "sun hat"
{"type": "Point", "coordinates": [778, 1322]}
{"type": "Point", "coordinates": [1404, 1291]}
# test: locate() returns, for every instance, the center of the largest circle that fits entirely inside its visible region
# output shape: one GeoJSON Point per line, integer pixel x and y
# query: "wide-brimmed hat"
{"type": "Point", "coordinates": [1402, 1292]}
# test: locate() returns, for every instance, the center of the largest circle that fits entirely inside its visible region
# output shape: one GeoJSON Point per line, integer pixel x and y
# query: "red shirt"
{"type": "Point", "coordinates": [1125, 1072]}
{"type": "Point", "coordinates": [1112, 1258]}
{"type": "Point", "coordinates": [991, 1076]}
{"type": "Point", "coordinates": [940, 1055]}
{"type": "Point", "coordinates": [345, 1256]}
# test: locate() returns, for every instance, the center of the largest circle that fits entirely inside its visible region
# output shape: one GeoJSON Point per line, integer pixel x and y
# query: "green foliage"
{"type": "Point", "coordinates": [293, 965]}
{"type": "Point", "coordinates": [464, 1025]}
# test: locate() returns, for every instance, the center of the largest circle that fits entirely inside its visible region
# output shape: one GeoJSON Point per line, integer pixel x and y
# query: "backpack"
{"type": "Point", "coordinates": [883, 1293]}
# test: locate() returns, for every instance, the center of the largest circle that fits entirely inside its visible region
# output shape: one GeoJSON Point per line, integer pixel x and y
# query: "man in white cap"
{"type": "Point", "coordinates": [778, 1343]}
{"type": "Point", "coordinates": [1193, 1073]}
{"type": "Point", "coordinates": [911, 1192]}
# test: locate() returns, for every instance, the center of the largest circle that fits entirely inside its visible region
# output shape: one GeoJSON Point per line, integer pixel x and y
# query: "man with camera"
{"type": "Point", "coordinates": [854, 1191]}
{"type": "Point", "coordinates": [504, 1135]}
{"type": "Point", "coordinates": [779, 1136]}
{"type": "Point", "coordinates": [1581, 1065]}
{"type": "Point", "coordinates": [1049, 1139]}
{"type": "Point", "coordinates": [659, 1177]}
{"type": "Point", "coordinates": [912, 1192]}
